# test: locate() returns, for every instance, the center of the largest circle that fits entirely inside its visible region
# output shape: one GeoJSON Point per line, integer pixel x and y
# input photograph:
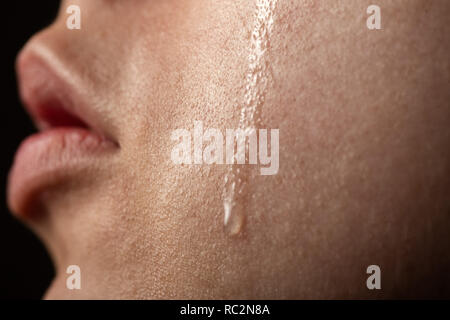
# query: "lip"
{"type": "Point", "coordinates": [71, 137]}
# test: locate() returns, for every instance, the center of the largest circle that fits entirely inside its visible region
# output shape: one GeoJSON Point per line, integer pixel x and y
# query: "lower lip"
{"type": "Point", "coordinates": [50, 157]}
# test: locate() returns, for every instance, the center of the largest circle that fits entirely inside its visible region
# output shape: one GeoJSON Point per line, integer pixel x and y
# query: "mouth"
{"type": "Point", "coordinates": [70, 138]}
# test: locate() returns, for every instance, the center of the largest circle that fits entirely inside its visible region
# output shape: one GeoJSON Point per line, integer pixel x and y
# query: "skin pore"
{"type": "Point", "coordinates": [364, 173]}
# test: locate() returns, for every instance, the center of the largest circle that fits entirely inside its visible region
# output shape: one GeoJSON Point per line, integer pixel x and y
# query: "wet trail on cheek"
{"type": "Point", "coordinates": [257, 78]}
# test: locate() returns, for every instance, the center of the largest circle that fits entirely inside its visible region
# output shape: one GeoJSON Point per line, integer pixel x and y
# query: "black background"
{"type": "Point", "coordinates": [25, 267]}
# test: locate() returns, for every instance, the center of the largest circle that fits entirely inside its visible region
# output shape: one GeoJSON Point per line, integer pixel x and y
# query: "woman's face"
{"type": "Point", "coordinates": [364, 158]}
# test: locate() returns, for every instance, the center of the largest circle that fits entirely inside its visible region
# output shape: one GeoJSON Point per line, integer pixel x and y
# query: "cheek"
{"type": "Point", "coordinates": [363, 153]}
{"type": "Point", "coordinates": [359, 160]}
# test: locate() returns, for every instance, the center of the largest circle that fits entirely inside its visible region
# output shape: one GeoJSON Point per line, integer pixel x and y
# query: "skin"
{"type": "Point", "coordinates": [364, 152]}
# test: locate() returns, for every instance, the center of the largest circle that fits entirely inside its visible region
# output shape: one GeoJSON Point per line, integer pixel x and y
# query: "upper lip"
{"type": "Point", "coordinates": [57, 103]}
{"type": "Point", "coordinates": [51, 97]}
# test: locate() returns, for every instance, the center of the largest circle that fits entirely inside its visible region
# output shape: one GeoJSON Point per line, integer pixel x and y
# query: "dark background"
{"type": "Point", "coordinates": [25, 267]}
